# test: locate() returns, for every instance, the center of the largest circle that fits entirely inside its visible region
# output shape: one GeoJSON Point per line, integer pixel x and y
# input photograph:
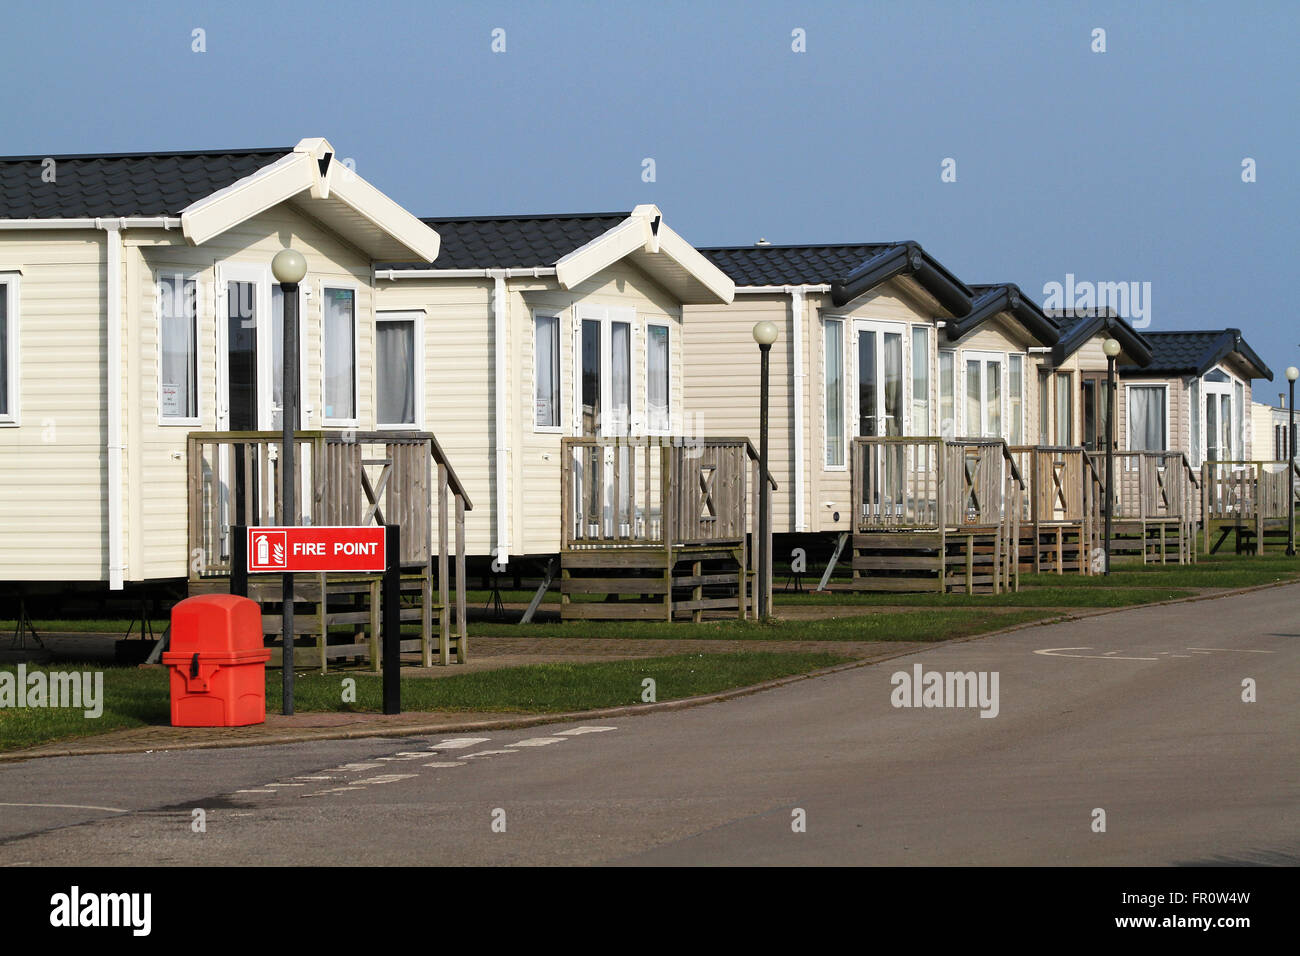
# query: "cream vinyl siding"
{"type": "Point", "coordinates": [155, 519]}
{"type": "Point", "coordinates": [53, 483]}
{"type": "Point", "coordinates": [460, 390]}
{"type": "Point", "coordinates": [458, 386]}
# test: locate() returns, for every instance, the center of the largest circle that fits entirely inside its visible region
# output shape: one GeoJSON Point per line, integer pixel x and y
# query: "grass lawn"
{"type": "Point", "coordinates": [920, 625]}
{"type": "Point", "coordinates": [134, 697]}
{"type": "Point", "coordinates": [1067, 595]}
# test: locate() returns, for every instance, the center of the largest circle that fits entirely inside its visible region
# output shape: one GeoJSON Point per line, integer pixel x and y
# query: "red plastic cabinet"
{"type": "Point", "coordinates": [217, 661]}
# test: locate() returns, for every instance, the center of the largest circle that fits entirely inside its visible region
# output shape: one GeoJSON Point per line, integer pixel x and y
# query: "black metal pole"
{"type": "Point", "coordinates": [1110, 452]}
{"type": "Point", "coordinates": [1290, 470]}
{"type": "Point", "coordinates": [288, 421]}
{"type": "Point", "coordinates": [764, 597]}
{"type": "Point", "coordinates": [239, 560]}
{"type": "Point", "coordinates": [392, 625]}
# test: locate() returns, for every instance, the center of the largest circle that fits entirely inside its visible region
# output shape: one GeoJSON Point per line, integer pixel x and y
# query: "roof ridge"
{"type": "Point", "coordinates": [158, 153]}
{"type": "Point", "coordinates": [801, 245]}
{"type": "Point", "coordinates": [540, 215]}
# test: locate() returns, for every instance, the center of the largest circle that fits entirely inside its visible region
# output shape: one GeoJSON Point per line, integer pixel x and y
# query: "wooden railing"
{"type": "Point", "coordinates": [1153, 486]}
{"type": "Point", "coordinates": [657, 492]}
{"type": "Point", "coordinates": [343, 478]}
{"type": "Point", "coordinates": [1064, 484]}
{"type": "Point", "coordinates": [1246, 490]}
{"type": "Point", "coordinates": [929, 483]}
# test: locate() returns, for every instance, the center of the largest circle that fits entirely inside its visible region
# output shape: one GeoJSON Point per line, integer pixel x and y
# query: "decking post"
{"type": "Point", "coordinates": [970, 564]}
{"type": "Point", "coordinates": [375, 657]}
{"type": "Point", "coordinates": [444, 593]}
{"type": "Point", "coordinates": [322, 621]}
{"type": "Point", "coordinates": [671, 479]}
{"type": "Point", "coordinates": [462, 638]}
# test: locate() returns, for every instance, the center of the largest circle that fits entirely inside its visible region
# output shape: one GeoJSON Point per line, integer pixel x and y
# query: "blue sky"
{"type": "Point", "coordinates": [1115, 166]}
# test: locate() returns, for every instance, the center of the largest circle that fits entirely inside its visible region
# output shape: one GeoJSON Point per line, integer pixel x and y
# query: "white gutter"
{"type": "Point", "coordinates": [782, 289]}
{"type": "Point", "coordinates": [118, 222]}
{"type": "Point", "coordinates": [796, 331]}
{"type": "Point", "coordinates": [113, 293]}
{"type": "Point", "coordinates": [534, 272]}
{"type": "Point", "coordinates": [500, 315]}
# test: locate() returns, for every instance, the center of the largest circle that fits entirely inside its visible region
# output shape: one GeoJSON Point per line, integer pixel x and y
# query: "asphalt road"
{"type": "Point", "coordinates": [1138, 713]}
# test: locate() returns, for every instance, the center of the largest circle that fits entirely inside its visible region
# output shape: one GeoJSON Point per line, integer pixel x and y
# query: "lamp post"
{"type": "Point", "coordinates": [1111, 348]}
{"type": "Point", "coordinates": [764, 334]}
{"type": "Point", "coordinates": [1291, 374]}
{"type": "Point", "coordinates": [288, 267]}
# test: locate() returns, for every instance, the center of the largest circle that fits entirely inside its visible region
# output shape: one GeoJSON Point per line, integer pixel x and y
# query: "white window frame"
{"type": "Point", "coordinates": [606, 315]}
{"type": "Point", "coordinates": [845, 441]}
{"type": "Point", "coordinates": [259, 276]}
{"type": "Point", "coordinates": [668, 328]}
{"type": "Point", "coordinates": [883, 327]}
{"type": "Point", "coordinates": [416, 318]}
{"type": "Point", "coordinates": [558, 316]}
{"type": "Point", "coordinates": [355, 420]}
{"type": "Point", "coordinates": [10, 283]}
{"type": "Point", "coordinates": [1128, 412]}
{"type": "Point", "coordinates": [910, 425]}
{"type": "Point", "coordinates": [1220, 388]}
{"type": "Point", "coordinates": [1024, 394]}
{"type": "Point", "coordinates": [186, 274]}
{"type": "Point", "coordinates": [983, 356]}
{"type": "Point", "coordinates": [956, 392]}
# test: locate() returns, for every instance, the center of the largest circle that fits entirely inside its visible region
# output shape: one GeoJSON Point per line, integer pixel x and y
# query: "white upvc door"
{"type": "Point", "coordinates": [984, 380]}
{"type": "Point", "coordinates": [603, 391]}
{"type": "Point", "coordinates": [880, 378]}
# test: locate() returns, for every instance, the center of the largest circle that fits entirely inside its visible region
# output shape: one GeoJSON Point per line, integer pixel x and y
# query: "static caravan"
{"type": "Point", "coordinates": [896, 392]}
{"type": "Point", "coordinates": [1270, 427]}
{"type": "Point", "coordinates": [140, 366]}
{"type": "Point", "coordinates": [552, 369]}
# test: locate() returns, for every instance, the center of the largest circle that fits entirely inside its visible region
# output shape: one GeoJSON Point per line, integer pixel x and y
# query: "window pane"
{"type": "Point", "coordinates": [590, 376]}
{"type": "Point", "coordinates": [395, 355]}
{"type": "Point", "coordinates": [277, 359]}
{"type": "Point", "coordinates": [893, 383]}
{"type": "Point", "coordinates": [1212, 449]}
{"type": "Point", "coordinates": [1015, 400]}
{"type": "Point", "coordinates": [1090, 433]}
{"type": "Point", "coordinates": [974, 388]}
{"type": "Point", "coordinates": [947, 390]}
{"type": "Point", "coordinates": [1044, 410]}
{"type": "Point", "coordinates": [1146, 418]}
{"type": "Point", "coordinates": [867, 383]}
{"type": "Point", "coordinates": [4, 349]}
{"type": "Point", "coordinates": [994, 399]}
{"type": "Point", "coordinates": [920, 381]}
{"type": "Point", "coordinates": [656, 386]}
{"type": "Point", "coordinates": [834, 344]}
{"type": "Point", "coordinates": [546, 371]}
{"type": "Point", "coordinates": [1064, 411]}
{"type": "Point", "coordinates": [340, 354]}
{"type": "Point", "coordinates": [1227, 443]}
{"type": "Point", "coordinates": [620, 375]}
{"type": "Point", "coordinates": [179, 370]}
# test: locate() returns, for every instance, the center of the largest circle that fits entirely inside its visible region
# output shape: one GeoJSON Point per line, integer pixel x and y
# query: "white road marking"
{"type": "Point", "coordinates": [446, 763]}
{"type": "Point", "coordinates": [66, 806]}
{"type": "Point", "coordinates": [404, 756]}
{"type": "Point", "coordinates": [313, 778]}
{"type": "Point", "coordinates": [1234, 650]}
{"type": "Point", "coordinates": [1108, 656]}
{"type": "Point", "coordinates": [286, 785]}
{"type": "Point", "coordinates": [254, 791]}
{"type": "Point", "coordinates": [539, 741]}
{"type": "Point", "coordinates": [460, 743]}
{"type": "Point", "coordinates": [387, 778]}
{"type": "Point", "coordinates": [575, 731]}
{"type": "Point", "coordinates": [353, 767]}
{"type": "Point", "coordinates": [489, 753]}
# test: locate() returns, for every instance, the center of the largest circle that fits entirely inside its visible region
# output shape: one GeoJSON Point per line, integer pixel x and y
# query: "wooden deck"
{"type": "Point", "coordinates": [344, 478]}
{"type": "Point", "coordinates": [1249, 500]}
{"type": "Point", "coordinates": [1061, 510]}
{"type": "Point", "coordinates": [659, 528]}
{"type": "Point", "coordinates": [1156, 505]}
{"type": "Point", "coordinates": [935, 515]}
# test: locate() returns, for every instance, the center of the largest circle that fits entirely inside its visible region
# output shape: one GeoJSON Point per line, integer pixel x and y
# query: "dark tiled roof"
{"type": "Point", "coordinates": [512, 242]}
{"type": "Point", "coordinates": [124, 184]}
{"type": "Point", "coordinates": [791, 265]}
{"type": "Point", "coordinates": [1194, 353]}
